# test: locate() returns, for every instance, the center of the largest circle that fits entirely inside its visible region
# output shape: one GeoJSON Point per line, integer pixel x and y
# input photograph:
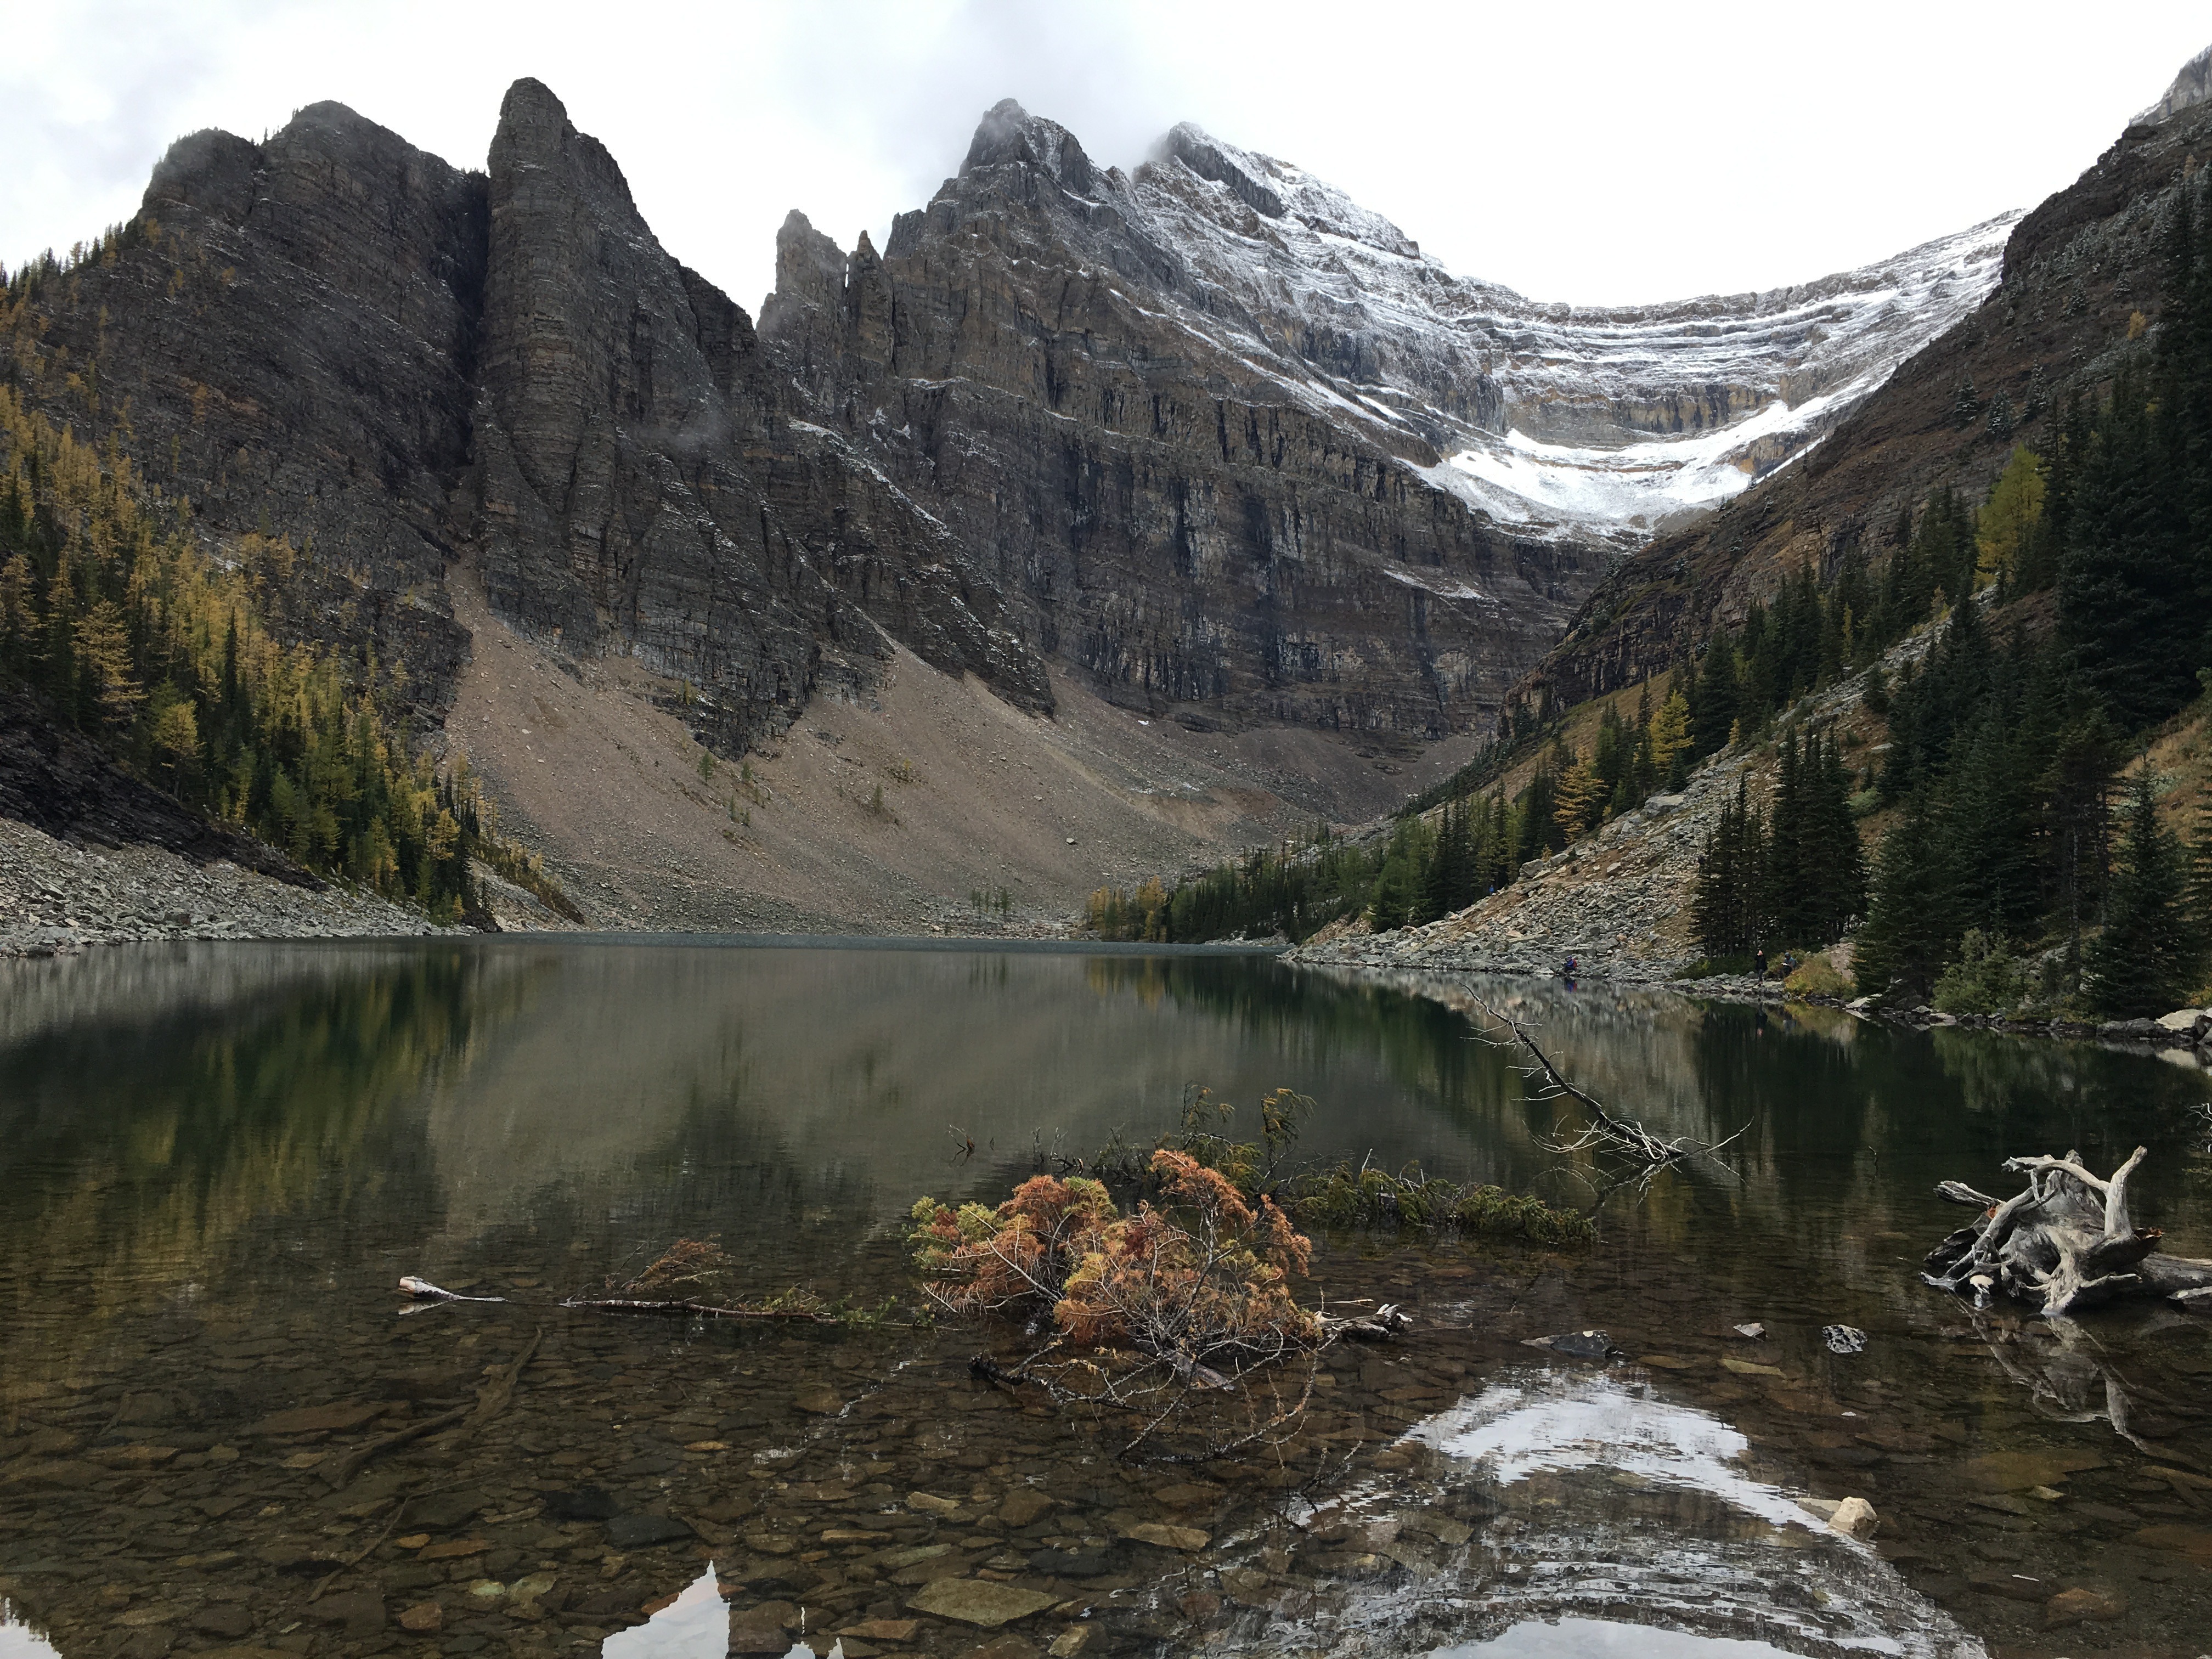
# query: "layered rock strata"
{"type": "Point", "coordinates": [1034, 357]}
{"type": "Point", "coordinates": [335, 337]}
{"type": "Point", "coordinates": [1240, 446]}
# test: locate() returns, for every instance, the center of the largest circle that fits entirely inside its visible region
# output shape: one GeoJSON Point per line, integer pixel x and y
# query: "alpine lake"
{"type": "Point", "coordinates": [218, 1161]}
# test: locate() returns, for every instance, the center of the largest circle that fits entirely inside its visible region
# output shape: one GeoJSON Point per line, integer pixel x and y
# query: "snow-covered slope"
{"type": "Point", "coordinates": [1591, 422]}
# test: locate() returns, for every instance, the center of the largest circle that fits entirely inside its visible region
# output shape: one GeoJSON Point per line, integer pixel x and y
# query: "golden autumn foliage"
{"type": "Point", "coordinates": [1202, 1272]}
{"type": "Point", "coordinates": [118, 612]}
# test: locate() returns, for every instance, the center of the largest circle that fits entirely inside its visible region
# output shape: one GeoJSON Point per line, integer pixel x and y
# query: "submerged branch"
{"type": "Point", "coordinates": [1622, 1135]}
{"type": "Point", "coordinates": [700, 1310]}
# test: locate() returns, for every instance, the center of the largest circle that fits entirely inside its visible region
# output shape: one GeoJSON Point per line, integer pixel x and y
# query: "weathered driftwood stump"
{"type": "Point", "coordinates": [2065, 1243]}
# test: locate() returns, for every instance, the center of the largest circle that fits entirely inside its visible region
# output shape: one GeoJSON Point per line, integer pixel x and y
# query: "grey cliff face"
{"type": "Point", "coordinates": [289, 344]}
{"type": "Point", "coordinates": [1191, 433]}
{"type": "Point", "coordinates": [335, 337]}
{"type": "Point", "coordinates": [1166, 517]}
{"type": "Point", "coordinates": [637, 490]}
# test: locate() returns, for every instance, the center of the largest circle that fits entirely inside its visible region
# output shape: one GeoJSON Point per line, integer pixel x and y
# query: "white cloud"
{"type": "Point", "coordinates": [1605, 152]}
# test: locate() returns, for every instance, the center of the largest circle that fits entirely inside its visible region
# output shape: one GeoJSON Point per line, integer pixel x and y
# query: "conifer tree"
{"type": "Point", "coordinates": [2146, 960]}
{"type": "Point", "coordinates": [1785, 880]}
{"type": "Point", "coordinates": [1713, 712]}
{"type": "Point", "coordinates": [1727, 907]}
{"type": "Point", "coordinates": [1669, 741]}
{"type": "Point", "coordinates": [2200, 875]}
{"type": "Point", "coordinates": [2008, 519]}
{"type": "Point", "coordinates": [1965, 405]}
{"type": "Point", "coordinates": [1912, 925]}
{"type": "Point", "coordinates": [1581, 795]}
{"type": "Point", "coordinates": [2129, 593]}
{"type": "Point", "coordinates": [1843, 856]}
{"type": "Point", "coordinates": [2000, 416]}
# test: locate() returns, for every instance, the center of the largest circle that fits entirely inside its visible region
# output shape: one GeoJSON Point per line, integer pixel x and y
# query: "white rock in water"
{"type": "Point", "coordinates": [1854, 1518]}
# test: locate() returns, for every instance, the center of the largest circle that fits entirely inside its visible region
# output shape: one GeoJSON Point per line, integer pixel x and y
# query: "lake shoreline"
{"type": "Point", "coordinates": [2136, 1035]}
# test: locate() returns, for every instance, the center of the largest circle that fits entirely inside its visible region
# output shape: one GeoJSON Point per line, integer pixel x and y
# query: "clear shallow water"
{"type": "Point", "coordinates": [218, 1160]}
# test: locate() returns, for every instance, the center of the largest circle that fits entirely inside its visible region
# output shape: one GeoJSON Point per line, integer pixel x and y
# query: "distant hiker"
{"type": "Point", "coordinates": [1568, 972]}
{"type": "Point", "coordinates": [1758, 961]}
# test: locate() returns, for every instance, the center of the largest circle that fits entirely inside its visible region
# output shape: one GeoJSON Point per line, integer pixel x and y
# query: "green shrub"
{"type": "Point", "coordinates": [1986, 980]}
{"type": "Point", "coordinates": [1818, 976]}
{"type": "Point", "coordinates": [1345, 1199]}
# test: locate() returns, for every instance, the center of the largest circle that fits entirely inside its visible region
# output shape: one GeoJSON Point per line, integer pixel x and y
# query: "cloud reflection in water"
{"type": "Point", "coordinates": [695, 1626]}
{"type": "Point", "coordinates": [1620, 1522]}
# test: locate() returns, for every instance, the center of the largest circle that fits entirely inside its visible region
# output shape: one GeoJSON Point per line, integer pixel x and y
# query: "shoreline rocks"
{"type": "Point", "coordinates": [57, 896]}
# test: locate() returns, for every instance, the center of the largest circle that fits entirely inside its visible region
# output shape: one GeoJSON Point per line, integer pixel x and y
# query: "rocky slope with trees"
{"type": "Point", "coordinates": [1982, 734]}
{"type": "Point", "coordinates": [1173, 443]}
{"type": "Point", "coordinates": [2081, 286]}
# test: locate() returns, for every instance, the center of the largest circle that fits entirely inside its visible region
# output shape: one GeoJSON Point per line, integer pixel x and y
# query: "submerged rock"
{"type": "Point", "coordinates": [1575, 1344]}
{"type": "Point", "coordinates": [1855, 1518]}
{"type": "Point", "coordinates": [979, 1602]}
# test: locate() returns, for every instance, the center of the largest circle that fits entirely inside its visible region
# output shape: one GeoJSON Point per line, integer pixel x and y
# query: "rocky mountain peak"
{"type": "Point", "coordinates": [808, 264]}
{"type": "Point", "coordinates": [1009, 135]}
{"type": "Point", "coordinates": [210, 170]}
{"type": "Point", "coordinates": [1278, 190]}
{"type": "Point", "coordinates": [2190, 88]}
{"type": "Point", "coordinates": [534, 132]}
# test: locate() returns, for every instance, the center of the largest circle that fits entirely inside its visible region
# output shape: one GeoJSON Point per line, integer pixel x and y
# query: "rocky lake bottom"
{"type": "Point", "coordinates": [221, 1158]}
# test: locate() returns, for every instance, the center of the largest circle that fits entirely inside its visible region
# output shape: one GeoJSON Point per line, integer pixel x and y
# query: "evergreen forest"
{"type": "Point", "coordinates": [114, 612]}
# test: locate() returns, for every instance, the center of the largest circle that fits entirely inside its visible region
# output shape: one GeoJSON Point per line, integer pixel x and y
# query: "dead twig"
{"type": "Point", "coordinates": [353, 1561]}
{"type": "Point", "coordinates": [701, 1309]}
{"type": "Point", "coordinates": [492, 1396]}
{"type": "Point", "coordinates": [1617, 1134]}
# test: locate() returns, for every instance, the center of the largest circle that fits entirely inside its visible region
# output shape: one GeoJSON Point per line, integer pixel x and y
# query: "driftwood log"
{"type": "Point", "coordinates": [2065, 1243]}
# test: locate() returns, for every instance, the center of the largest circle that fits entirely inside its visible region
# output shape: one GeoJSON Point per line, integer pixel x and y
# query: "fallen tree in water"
{"type": "Point", "coordinates": [1622, 1136]}
{"type": "Point", "coordinates": [2065, 1243]}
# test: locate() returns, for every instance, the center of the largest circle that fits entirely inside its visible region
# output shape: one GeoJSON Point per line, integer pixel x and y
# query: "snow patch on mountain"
{"type": "Point", "coordinates": [1592, 423]}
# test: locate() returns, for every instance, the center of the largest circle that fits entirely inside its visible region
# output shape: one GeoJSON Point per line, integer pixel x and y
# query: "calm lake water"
{"type": "Point", "coordinates": [217, 1161]}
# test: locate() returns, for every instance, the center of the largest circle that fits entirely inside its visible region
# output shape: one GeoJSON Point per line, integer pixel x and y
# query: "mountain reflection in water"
{"type": "Point", "coordinates": [219, 1159]}
{"type": "Point", "coordinates": [1593, 1638]}
{"type": "Point", "coordinates": [1605, 1499]}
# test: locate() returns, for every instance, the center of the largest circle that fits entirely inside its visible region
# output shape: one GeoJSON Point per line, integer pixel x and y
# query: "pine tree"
{"type": "Point", "coordinates": [1581, 795]}
{"type": "Point", "coordinates": [1783, 882]}
{"type": "Point", "coordinates": [107, 690]}
{"type": "Point", "coordinates": [2200, 875]}
{"type": "Point", "coordinates": [1448, 877]}
{"type": "Point", "coordinates": [1713, 711]}
{"type": "Point", "coordinates": [1846, 851]}
{"type": "Point", "coordinates": [1965, 404]}
{"type": "Point", "coordinates": [2074, 821]}
{"type": "Point", "coordinates": [1727, 911]}
{"type": "Point", "coordinates": [1495, 846]}
{"type": "Point", "coordinates": [1912, 925]}
{"type": "Point", "coordinates": [2008, 519]}
{"type": "Point", "coordinates": [2001, 414]}
{"type": "Point", "coordinates": [2145, 961]}
{"type": "Point", "coordinates": [2129, 593]}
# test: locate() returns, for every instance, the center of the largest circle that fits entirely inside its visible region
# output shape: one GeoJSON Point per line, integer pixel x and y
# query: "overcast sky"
{"type": "Point", "coordinates": [1590, 152]}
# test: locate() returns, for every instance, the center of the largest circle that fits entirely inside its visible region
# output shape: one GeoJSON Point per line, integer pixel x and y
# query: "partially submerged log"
{"type": "Point", "coordinates": [2065, 1243]}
